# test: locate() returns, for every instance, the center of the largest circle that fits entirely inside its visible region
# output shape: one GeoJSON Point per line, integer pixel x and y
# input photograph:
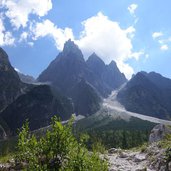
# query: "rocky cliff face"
{"type": "Point", "coordinates": [148, 94]}
{"type": "Point", "coordinates": [10, 84]}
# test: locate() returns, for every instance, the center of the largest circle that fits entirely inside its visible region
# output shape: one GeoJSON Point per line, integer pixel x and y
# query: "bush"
{"type": "Point", "coordinates": [58, 150]}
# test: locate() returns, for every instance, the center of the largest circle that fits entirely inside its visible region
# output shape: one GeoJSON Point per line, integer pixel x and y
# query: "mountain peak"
{"type": "Point", "coordinates": [95, 59]}
{"type": "Point", "coordinates": [112, 64]}
{"type": "Point", "coordinates": [70, 46]}
{"type": "Point", "coordinates": [3, 57]}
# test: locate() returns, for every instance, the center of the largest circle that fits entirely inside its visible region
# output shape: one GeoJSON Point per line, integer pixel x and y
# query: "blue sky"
{"type": "Point", "coordinates": [136, 34]}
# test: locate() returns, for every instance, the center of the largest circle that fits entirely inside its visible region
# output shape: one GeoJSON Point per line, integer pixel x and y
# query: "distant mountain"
{"type": "Point", "coordinates": [10, 84]}
{"type": "Point", "coordinates": [148, 94]}
{"type": "Point", "coordinates": [38, 105]}
{"type": "Point", "coordinates": [26, 78]}
{"type": "Point", "coordinates": [69, 68]}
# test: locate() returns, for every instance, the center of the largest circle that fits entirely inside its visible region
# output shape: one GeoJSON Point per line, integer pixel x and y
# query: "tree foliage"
{"type": "Point", "coordinates": [58, 150]}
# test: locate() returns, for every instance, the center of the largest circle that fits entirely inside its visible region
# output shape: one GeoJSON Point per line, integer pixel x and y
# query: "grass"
{"type": "Point", "coordinates": [7, 157]}
{"type": "Point", "coordinates": [166, 142]}
{"type": "Point", "coordinates": [142, 148]}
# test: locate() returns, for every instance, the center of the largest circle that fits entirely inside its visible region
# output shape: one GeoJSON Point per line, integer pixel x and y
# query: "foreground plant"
{"type": "Point", "coordinates": [58, 150]}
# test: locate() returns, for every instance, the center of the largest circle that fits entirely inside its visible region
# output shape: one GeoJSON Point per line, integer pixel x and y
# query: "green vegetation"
{"type": "Point", "coordinates": [116, 133]}
{"type": "Point", "coordinates": [124, 139]}
{"type": "Point", "coordinates": [8, 147]}
{"type": "Point", "coordinates": [58, 150]}
{"type": "Point", "coordinates": [165, 143]}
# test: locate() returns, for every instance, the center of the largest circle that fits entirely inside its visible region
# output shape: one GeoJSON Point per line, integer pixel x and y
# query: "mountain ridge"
{"type": "Point", "coordinates": [148, 94]}
{"type": "Point", "coordinates": [69, 68]}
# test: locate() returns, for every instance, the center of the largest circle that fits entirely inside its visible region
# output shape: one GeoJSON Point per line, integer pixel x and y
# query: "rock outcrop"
{"type": "Point", "coordinates": [158, 133]}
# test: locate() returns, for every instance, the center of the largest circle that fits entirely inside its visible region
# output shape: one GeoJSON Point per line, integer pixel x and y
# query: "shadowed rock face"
{"type": "Point", "coordinates": [69, 68]}
{"type": "Point", "coordinates": [10, 84]}
{"type": "Point", "coordinates": [38, 105]}
{"type": "Point", "coordinates": [148, 94]}
{"type": "Point", "coordinates": [85, 98]}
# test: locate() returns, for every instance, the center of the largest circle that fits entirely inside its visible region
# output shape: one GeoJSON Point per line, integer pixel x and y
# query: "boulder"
{"type": "Point", "coordinates": [139, 157]}
{"type": "Point", "coordinates": [158, 133]}
{"type": "Point", "coordinates": [113, 150]}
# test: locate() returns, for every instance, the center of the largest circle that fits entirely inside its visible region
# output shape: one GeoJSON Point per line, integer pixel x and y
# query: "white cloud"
{"type": "Point", "coordinates": [157, 35]}
{"type": "Point", "coordinates": [30, 44]}
{"type": "Point", "coordinates": [162, 40]}
{"type": "Point", "coordinates": [107, 39]}
{"type": "Point", "coordinates": [18, 11]}
{"type": "Point", "coordinates": [23, 36]}
{"type": "Point", "coordinates": [147, 56]}
{"type": "Point", "coordinates": [137, 55]}
{"type": "Point", "coordinates": [164, 47]}
{"type": "Point", "coordinates": [132, 9]}
{"type": "Point", "coordinates": [6, 37]}
{"type": "Point", "coordinates": [47, 28]}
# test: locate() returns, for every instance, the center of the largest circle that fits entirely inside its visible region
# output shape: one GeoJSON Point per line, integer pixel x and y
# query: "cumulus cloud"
{"type": "Point", "coordinates": [164, 47]}
{"type": "Point", "coordinates": [100, 35]}
{"type": "Point", "coordinates": [47, 28]}
{"type": "Point", "coordinates": [6, 37]}
{"type": "Point", "coordinates": [157, 35]}
{"type": "Point", "coordinates": [107, 39]}
{"type": "Point", "coordinates": [132, 9]}
{"type": "Point", "coordinates": [18, 11]}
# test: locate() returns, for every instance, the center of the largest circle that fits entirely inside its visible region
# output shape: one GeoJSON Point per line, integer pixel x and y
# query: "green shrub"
{"type": "Point", "coordinates": [58, 150]}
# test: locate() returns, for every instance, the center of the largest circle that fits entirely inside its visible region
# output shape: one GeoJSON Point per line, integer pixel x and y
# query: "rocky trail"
{"type": "Point", "coordinates": [120, 160]}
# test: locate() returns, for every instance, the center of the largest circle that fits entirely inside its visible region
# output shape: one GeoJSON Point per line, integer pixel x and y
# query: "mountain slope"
{"type": "Point", "coordinates": [38, 105]}
{"type": "Point", "coordinates": [148, 94]}
{"type": "Point", "coordinates": [85, 98]}
{"type": "Point", "coordinates": [10, 84]}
